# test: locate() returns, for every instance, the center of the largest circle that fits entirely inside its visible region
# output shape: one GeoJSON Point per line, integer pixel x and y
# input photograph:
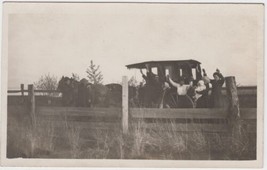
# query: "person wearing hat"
{"type": "Point", "coordinates": [216, 91]}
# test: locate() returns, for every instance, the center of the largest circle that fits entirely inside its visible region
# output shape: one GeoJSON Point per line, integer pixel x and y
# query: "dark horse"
{"type": "Point", "coordinates": [84, 94]}
{"type": "Point", "coordinates": [69, 89]}
{"type": "Point", "coordinates": [75, 93]}
{"type": "Point", "coordinates": [114, 95]}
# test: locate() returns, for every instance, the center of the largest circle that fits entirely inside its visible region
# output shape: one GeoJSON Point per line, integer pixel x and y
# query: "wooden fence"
{"type": "Point", "coordinates": [208, 120]}
{"type": "Point", "coordinates": [247, 97]}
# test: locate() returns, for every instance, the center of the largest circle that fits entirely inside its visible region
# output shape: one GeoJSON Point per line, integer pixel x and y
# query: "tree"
{"type": "Point", "coordinates": [94, 74]}
{"type": "Point", "coordinates": [47, 82]}
{"type": "Point", "coordinates": [133, 82]}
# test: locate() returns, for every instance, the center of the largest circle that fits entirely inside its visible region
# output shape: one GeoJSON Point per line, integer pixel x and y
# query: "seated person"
{"type": "Point", "coordinates": [199, 89]}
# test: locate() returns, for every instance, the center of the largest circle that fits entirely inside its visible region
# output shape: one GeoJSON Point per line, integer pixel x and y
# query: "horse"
{"type": "Point", "coordinates": [85, 97]}
{"type": "Point", "coordinates": [114, 95]}
{"type": "Point", "coordinates": [75, 93]}
{"type": "Point", "coordinates": [84, 94]}
{"type": "Point", "coordinates": [69, 89]}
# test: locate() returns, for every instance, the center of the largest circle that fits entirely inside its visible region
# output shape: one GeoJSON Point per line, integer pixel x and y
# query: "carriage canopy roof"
{"type": "Point", "coordinates": [142, 65]}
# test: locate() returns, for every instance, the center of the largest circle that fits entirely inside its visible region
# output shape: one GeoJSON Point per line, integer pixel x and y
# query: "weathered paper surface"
{"type": "Point", "coordinates": [38, 37]}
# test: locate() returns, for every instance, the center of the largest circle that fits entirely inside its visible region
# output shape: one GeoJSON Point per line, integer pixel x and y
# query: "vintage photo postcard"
{"type": "Point", "coordinates": [132, 85]}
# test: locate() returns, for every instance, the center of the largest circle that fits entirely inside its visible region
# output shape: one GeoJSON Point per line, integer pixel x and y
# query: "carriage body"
{"type": "Point", "coordinates": [176, 69]}
{"type": "Point", "coordinates": [187, 70]}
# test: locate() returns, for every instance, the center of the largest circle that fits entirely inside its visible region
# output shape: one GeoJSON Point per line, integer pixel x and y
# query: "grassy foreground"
{"type": "Point", "coordinates": [62, 139]}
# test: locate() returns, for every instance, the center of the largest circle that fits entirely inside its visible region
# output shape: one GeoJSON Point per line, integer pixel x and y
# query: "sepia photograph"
{"type": "Point", "coordinates": [132, 84]}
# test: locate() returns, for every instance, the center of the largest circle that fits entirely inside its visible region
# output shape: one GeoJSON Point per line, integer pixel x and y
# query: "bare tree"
{"type": "Point", "coordinates": [47, 82]}
{"type": "Point", "coordinates": [94, 74]}
{"type": "Point", "coordinates": [133, 82]}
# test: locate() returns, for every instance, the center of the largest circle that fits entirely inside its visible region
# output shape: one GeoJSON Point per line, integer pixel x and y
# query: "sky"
{"type": "Point", "coordinates": [61, 39]}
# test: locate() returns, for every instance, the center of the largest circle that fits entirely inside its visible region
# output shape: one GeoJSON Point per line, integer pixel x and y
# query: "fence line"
{"type": "Point", "coordinates": [125, 115]}
{"type": "Point", "coordinates": [110, 118]}
{"type": "Point", "coordinates": [241, 90]}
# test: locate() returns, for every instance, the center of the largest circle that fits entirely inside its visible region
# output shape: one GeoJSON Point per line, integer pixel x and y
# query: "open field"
{"type": "Point", "coordinates": [85, 138]}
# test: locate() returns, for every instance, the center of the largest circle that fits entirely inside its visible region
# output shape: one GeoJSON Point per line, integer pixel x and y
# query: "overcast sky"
{"type": "Point", "coordinates": [61, 40]}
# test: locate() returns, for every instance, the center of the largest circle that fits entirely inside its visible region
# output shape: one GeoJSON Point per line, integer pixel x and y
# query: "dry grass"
{"type": "Point", "coordinates": [73, 136]}
{"type": "Point", "coordinates": [31, 142]}
{"type": "Point", "coordinates": [41, 138]}
{"type": "Point", "coordinates": [155, 140]}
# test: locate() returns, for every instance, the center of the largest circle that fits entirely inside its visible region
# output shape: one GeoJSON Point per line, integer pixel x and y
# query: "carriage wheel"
{"type": "Point", "coordinates": [172, 101]}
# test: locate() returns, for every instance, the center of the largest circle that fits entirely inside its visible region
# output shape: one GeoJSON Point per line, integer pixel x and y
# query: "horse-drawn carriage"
{"type": "Point", "coordinates": [158, 92]}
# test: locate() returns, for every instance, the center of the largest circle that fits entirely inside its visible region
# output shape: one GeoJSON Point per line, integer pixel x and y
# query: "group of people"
{"type": "Point", "coordinates": [197, 94]}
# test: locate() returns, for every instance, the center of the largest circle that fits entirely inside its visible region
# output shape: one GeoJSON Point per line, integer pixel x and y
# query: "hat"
{"type": "Point", "coordinates": [216, 73]}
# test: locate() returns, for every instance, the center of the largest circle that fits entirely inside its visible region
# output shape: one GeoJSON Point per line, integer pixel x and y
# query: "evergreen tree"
{"type": "Point", "coordinates": [94, 74]}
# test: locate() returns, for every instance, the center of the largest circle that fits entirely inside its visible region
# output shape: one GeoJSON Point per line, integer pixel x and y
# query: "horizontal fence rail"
{"type": "Point", "coordinates": [246, 113]}
{"type": "Point", "coordinates": [79, 111]}
{"type": "Point", "coordinates": [241, 90]}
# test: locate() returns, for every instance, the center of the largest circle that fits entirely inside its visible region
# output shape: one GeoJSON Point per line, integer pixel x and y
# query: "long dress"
{"type": "Point", "coordinates": [216, 99]}
{"type": "Point", "coordinates": [152, 90]}
{"type": "Point", "coordinates": [203, 101]}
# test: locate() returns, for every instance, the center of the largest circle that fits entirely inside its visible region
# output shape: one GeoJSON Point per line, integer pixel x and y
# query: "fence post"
{"type": "Point", "coordinates": [234, 110]}
{"type": "Point", "coordinates": [125, 108]}
{"type": "Point", "coordinates": [22, 89]}
{"type": "Point", "coordinates": [32, 103]}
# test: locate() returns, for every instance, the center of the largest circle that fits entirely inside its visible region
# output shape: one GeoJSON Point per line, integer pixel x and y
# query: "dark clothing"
{"type": "Point", "coordinates": [151, 90]}
{"type": "Point", "coordinates": [216, 93]}
{"type": "Point", "coordinates": [203, 101]}
{"type": "Point", "coordinates": [141, 94]}
{"type": "Point", "coordinates": [150, 78]}
{"type": "Point", "coordinates": [184, 101]}
{"type": "Point", "coordinates": [191, 92]}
